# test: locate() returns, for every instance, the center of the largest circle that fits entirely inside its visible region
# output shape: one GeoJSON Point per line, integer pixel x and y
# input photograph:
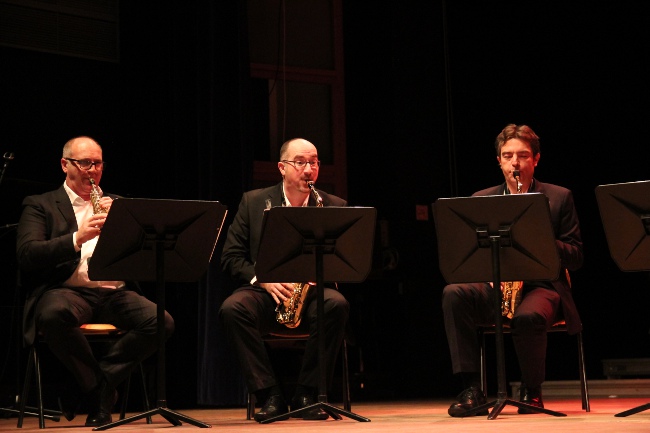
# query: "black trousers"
{"type": "Point", "coordinates": [249, 313]}
{"type": "Point", "coordinates": [60, 313]}
{"type": "Point", "coordinates": [466, 306]}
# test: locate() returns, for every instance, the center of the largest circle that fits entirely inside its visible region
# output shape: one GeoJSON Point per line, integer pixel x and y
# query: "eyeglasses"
{"type": "Point", "coordinates": [300, 165]}
{"type": "Point", "coordinates": [86, 164]}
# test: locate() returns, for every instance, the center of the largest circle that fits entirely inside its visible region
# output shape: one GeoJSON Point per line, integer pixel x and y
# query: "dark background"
{"type": "Point", "coordinates": [428, 86]}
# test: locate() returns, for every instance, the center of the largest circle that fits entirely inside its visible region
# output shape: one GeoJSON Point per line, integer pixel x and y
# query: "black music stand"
{"type": "Point", "coordinates": [497, 238]}
{"type": "Point", "coordinates": [157, 240]}
{"type": "Point", "coordinates": [625, 212]}
{"type": "Point", "coordinates": [330, 244]}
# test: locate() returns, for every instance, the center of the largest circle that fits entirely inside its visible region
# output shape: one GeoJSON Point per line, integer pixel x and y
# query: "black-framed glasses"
{"type": "Point", "coordinates": [86, 164]}
{"type": "Point", "coordinates": [300, 165]}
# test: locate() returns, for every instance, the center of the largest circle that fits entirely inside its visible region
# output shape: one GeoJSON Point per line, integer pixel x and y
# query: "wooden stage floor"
{"type": "Point", "coordinates": [395, 417]}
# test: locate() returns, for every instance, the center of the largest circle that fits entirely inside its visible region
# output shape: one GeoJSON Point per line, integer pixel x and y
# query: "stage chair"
{"type": "Point", "coordinates": [296, 338]}
{"type": "Point", "coordinates": [100, 333]}
{"type": "Point", "coordinates": [557, 327]}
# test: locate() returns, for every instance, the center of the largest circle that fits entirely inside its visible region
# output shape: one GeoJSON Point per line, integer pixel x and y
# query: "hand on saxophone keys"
{"type": "Point", "coordinates": [280, 292]}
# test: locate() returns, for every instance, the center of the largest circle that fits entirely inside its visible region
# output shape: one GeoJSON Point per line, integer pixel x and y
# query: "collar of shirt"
{"type": "Point", "coordinates": [74, 198]}
{"type": "Point", "coordinates": [287, 203]}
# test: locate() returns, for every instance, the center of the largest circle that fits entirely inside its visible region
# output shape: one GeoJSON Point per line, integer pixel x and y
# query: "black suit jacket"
{"type": "Point", "coordinates": [568, 240]}
{"type": "Point", "coordinates": [44, 249]}
{"type": "Point", "coordinates": [242, 243]}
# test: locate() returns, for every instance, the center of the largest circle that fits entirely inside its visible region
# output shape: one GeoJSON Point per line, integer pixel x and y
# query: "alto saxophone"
{"type": "Point", "coordinates": [289, 312]}
{"type": "Point", "coordinates": [511, 290]}
{"type": "Point", "coordinates": [94, 198]}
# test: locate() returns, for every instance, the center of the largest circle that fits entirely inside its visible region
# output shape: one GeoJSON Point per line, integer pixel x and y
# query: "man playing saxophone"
{"type": "Point", "coordinates": [56, 237]}
{"type": "Point", "coordinates": [466, 306]}
{"type": "Point", "coordinates": [250, 312]}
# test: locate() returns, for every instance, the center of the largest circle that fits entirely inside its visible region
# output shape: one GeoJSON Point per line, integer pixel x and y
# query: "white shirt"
{"type": "Point", "coordinates": [82, 210]}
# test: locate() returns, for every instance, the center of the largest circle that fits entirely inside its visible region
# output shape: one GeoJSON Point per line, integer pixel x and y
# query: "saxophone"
{"type": "Point", "coordinates": [94, 198]}
{"type": "Point", "coordinates": [289, 312]}
{"type": "Point", "coordinates": [511, 290]}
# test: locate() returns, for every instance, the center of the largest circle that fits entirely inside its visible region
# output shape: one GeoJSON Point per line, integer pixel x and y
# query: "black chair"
{"type": "Point", "coordinates": [95, 333]}
{"type": "Point", "coordinates": [297, 339]}
{"type": "Point", "coordinates": [557, 327]}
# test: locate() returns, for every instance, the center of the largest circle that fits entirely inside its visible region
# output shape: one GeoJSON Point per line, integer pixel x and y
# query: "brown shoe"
{"type": "Point", "coordinates": [467, 400]}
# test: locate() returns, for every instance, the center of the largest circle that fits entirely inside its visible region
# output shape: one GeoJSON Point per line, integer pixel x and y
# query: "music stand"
{"type": "Point", "coordinates": [625, 213]}
{"type": "Point", "coordinates": [157, 240]}
{"type": "Point", "coordinates": [497, 238]}
{"type": "Point", "coordinates": [330, 244]}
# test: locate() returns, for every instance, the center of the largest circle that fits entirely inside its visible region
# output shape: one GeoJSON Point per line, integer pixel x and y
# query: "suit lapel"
{"type": "Point", "coordinates": [65, 208]}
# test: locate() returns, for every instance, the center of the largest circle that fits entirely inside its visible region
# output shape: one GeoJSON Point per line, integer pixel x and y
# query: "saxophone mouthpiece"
{"type": "Point", "coordinates": [515, 174]}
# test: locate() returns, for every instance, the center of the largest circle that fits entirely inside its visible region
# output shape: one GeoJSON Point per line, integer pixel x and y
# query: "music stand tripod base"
{"type": "Point", "coordinates": [331, 410]}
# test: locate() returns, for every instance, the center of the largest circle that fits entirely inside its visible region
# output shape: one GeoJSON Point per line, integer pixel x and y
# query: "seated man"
{"type": "Point", "coordinates": [465, 306]}
{"type": "Point", "coordinates": [56, 236]}
{"type": "Point", "coordinates": [249, 313]}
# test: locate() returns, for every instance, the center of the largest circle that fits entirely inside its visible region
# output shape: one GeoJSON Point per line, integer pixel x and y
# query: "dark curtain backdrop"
{"type": "Point", "coordinates": [171, 116]}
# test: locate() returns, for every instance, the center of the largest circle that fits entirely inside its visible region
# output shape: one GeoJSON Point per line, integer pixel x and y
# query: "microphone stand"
{"type": "Point", "coordinates": [8, 156]}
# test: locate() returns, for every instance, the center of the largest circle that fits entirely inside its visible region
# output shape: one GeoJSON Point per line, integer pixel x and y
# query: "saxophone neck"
{"type": "Point", "coordinates": [317, 197]}
{"type": "Point", "coordinates": [517, 177]}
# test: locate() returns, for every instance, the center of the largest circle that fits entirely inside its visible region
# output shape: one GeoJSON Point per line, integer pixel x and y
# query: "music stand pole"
{"type": "Point", "coordinates": [162, 410]}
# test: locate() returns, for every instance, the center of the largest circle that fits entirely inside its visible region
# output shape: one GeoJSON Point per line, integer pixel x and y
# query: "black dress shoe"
{"type": "Point", "coordinates": [467, 400]}
{"type": "Point", "coordinates": [301, 401]}
{"type": "Point", "coordinates": [273, 406]}
{"type": "Point", "coordinates": [69, 406]}
{"type": "Point", "coordinates": [531, 396]}
{"type": "Point", "coordinates": [102, 400]}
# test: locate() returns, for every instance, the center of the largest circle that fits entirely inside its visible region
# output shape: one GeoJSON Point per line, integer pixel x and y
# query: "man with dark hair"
{"type": "Point", "coordinates": [466, 306]}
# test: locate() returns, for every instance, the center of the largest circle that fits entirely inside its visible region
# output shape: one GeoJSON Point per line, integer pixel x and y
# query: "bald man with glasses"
{"type": "Point", "coordinates": [56, 237]}
{"type": "Point", "coordinates": [249, 313]}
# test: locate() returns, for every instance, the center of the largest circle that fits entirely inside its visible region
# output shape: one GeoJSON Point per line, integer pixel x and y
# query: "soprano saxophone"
{"type": "Point", "coordinates": [511, 290]}
{"type": "Point", "coordinates": [94, 198]}
{"type": "Point", "coordinates": [289, 312]}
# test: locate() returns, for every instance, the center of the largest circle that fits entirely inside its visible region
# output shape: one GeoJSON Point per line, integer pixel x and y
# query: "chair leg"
{"type": "Point", "coordinates": [39, 389]}
{"type": "Point", "coordinates": [483, 366]}
{"type": "Point", "coordinates": [250, 406]}
{"type": "Point", "coordinates": [145, 396]}
{"type": "Point", "coordinates": [26, 383]}
{"type": "Point", "coordinates": [346, 379]}
{"type": "Point", "coordinates": [584, 390]}
{"type": "Point", "coordinates": [33, 365]}
{"type": "Point", "coordinates": [125, 398]}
